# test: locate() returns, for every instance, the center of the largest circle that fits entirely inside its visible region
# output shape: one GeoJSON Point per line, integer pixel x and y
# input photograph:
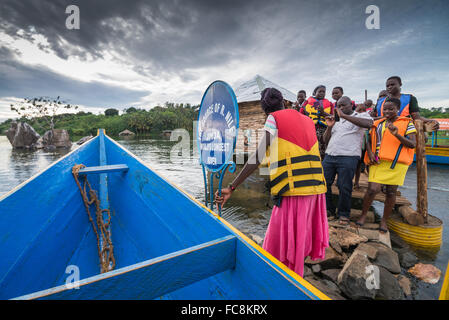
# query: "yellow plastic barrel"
{"type": "Point", "coordinates": [424, 236]}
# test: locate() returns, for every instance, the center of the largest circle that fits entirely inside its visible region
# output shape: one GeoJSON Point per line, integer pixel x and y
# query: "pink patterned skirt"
{"type": "Point", "coordinates": [297, 229]}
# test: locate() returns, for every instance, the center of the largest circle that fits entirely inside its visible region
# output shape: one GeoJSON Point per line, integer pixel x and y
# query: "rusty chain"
{"type": "Point", "coordinates": [105, 254]}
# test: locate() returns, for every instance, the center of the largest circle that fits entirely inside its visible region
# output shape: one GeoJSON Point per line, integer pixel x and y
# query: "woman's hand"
{"type": "Point", "coordinates": [225, 195]}
{"type": "Point", "coordinates": [372, 158]}
{"type": "Point", "coordinates": [393, 129]}
{"type": "Point", "coordinates": [330, 121]}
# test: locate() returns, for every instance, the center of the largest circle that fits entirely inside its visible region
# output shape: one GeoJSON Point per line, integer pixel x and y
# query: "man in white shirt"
{"type": "Point", "coordinates": [344, 147]}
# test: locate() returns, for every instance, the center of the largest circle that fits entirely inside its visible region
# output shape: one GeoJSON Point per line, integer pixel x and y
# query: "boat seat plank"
{"type": "Point", "coordinates": [152, 278]}
{"type": "Point", "coordinates": [104, 169]}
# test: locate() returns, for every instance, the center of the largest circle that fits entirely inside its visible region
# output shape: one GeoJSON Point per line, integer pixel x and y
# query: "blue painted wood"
{"type": "Point", "coordinates": [104, 169]}
{"type": "Point", "coordinates": [435, 159]}
{"type": "Point", "coordinates": [44, 228]}
{"type": "Point", "coordinates": [153, 278]}
{"type": "Point", "coordinates": [104, 200]}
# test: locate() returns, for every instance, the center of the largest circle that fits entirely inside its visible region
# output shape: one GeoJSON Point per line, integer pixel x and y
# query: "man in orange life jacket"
{"type": "Point", "coordinates": [344, 148]}
{"type": "Point", "coordinates": [409, 103]}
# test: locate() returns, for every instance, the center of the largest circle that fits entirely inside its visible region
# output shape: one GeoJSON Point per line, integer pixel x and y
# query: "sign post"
{"type": "Point", "coordinates": [218, 123]}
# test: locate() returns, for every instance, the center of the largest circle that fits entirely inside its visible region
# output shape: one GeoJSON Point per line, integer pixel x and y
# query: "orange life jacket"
{"type": "Point", "coordinates": [391, 148]}
{"type": "Point", "coordinates": [311, 109]}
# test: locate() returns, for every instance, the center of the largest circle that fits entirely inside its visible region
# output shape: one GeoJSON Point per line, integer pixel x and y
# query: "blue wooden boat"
{"type": "Point", "coordinates": [436, 153]}
{"type": "Point", "coordinates": [166, 244]}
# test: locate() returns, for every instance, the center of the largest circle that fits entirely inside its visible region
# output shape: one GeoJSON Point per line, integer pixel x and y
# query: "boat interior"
{"type": "Point", "coordinates": [166, 246]}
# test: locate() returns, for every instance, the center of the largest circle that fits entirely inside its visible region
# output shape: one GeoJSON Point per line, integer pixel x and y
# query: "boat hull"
{"type": "Point", "coordinates": [167, 245]}
{"type": "Point", "coordinates": [436, 155]}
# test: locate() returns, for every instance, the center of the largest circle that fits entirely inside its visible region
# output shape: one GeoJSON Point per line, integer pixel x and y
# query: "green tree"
{"type": "Point", "coordinates": [111, 112]}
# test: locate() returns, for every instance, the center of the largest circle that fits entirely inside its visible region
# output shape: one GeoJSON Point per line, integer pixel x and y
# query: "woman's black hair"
{"type": "Point", "coordinates": [396, 101]}
{"type": "Point", "coordinates": [397, 78]}
{"type": "Point", "coordinates": [271, 100]}
{"type": "Point", "coordinates": [302, 91]}
{"type": "Point", "coordinates": [340, 88]}
{"type": "Point", "coordinates": [316, 89]}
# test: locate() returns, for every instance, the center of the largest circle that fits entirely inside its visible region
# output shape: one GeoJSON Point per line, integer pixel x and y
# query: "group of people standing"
{"type": "Point", "coordinates": [316, 141]}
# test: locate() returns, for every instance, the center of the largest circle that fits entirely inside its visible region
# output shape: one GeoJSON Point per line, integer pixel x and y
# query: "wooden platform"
{"type": "Point", "coordinates": [360, 193]}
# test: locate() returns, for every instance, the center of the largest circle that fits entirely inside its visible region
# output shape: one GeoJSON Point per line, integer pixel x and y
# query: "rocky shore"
{"type": "Point", "coordinates": [362, 263]}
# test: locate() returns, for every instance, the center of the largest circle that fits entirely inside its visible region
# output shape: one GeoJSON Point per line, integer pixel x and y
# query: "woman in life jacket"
{"type": "Point", "coordinates": [298, 224]}
{"type": "Point", "coordinates": [389, 153]}
{"type": "Point", "coordinates": [409, 104]}
{"type": "Point", "coordinates": [318, 108]}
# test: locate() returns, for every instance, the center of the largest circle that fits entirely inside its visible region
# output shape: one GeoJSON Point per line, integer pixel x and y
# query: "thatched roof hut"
{"type": "Point", "coordinates": [126, 132]}
{"type": "Point", "coordinates": [251, 116]}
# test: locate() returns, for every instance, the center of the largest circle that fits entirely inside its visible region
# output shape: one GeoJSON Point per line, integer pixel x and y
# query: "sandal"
{"type": "Point", "coordinates": [343, 221]}
{"type": "Point", "coordinates": [359, 224]}
{"type": "Point", "coordinates": [382, 230]}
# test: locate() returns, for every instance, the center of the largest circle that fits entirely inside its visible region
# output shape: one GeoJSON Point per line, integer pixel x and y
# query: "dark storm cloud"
{"type": "Point", "coordinates": [299, 43]}
{"type": "Point", "coordinates": [174, 35]}
{"type": "Point", "coordinates": [17, 80]}
{"type": "Point", "coordinates": [158, 33]}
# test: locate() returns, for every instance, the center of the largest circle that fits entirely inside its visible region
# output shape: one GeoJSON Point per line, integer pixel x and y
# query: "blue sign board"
{"type": "Point", "coordinates": [218, 123]}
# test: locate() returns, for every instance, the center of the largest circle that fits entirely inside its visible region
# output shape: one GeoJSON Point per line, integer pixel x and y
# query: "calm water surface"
{"type": "Point", "coordinates": [248, 216]}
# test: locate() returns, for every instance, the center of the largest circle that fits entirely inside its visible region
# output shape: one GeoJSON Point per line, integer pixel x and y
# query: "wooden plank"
{"type": "Point", "coordinates": [359, 194]}
{"type": "Point", "coordinates": [152, 278]}
{"type": "Point", "coordinates": [104, 169]}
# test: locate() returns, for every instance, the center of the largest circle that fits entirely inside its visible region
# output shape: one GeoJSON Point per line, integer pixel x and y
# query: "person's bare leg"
{"type": "Point", "coordinates": [373, 189]}
{"type": "Point", "coordinates": [390, 201]}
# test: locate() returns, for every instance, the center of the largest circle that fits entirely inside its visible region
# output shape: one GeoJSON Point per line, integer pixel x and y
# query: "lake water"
{"type": "Point", "coordinates": [250, 217]}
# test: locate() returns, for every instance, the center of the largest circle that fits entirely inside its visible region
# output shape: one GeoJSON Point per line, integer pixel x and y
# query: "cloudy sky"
{"type": "Point", "coordinates": [143, 53]}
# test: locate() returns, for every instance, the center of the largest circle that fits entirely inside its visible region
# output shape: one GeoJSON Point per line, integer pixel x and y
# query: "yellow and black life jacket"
{"type": "Point", "coordinates": [311, 109]}
{"type": "Point", "coordinates": [294, 157]}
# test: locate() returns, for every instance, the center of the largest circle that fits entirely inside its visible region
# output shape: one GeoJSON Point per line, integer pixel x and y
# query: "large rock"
{"type": "Point", "coordinates": [331, 274]}
{"type": "Point", "coordinates": [353, 278]}
{"type": "Point", "coordinates": [345, 238]}
{"type": "Point", "coordinates": [84, 139]}
{"type": "Point", "coordinates": [386, 257]}
{"type": "Point", "coordinates": [327, 287]}
{"type": "Point", "coordinates": [331, 260]}
{"type": "Point", "coordinates": [38, 144]}
{"type": "Point", "coordinates": [57, 137]}
{"type": "Point", "coordinates": [21, 135]}
{"type": "Point", "coordinates": [407, 259]}
{"type": "Point", "coordinates": [389, 288]}
{"type": "Point", "coordinates": [405, 284]}
{"type": "Point", "coordinates": [375, 235]}
{"type": "Point", "coordinates": [426, 272]}
{"type": "Point", "coordinates": [370, 251]}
